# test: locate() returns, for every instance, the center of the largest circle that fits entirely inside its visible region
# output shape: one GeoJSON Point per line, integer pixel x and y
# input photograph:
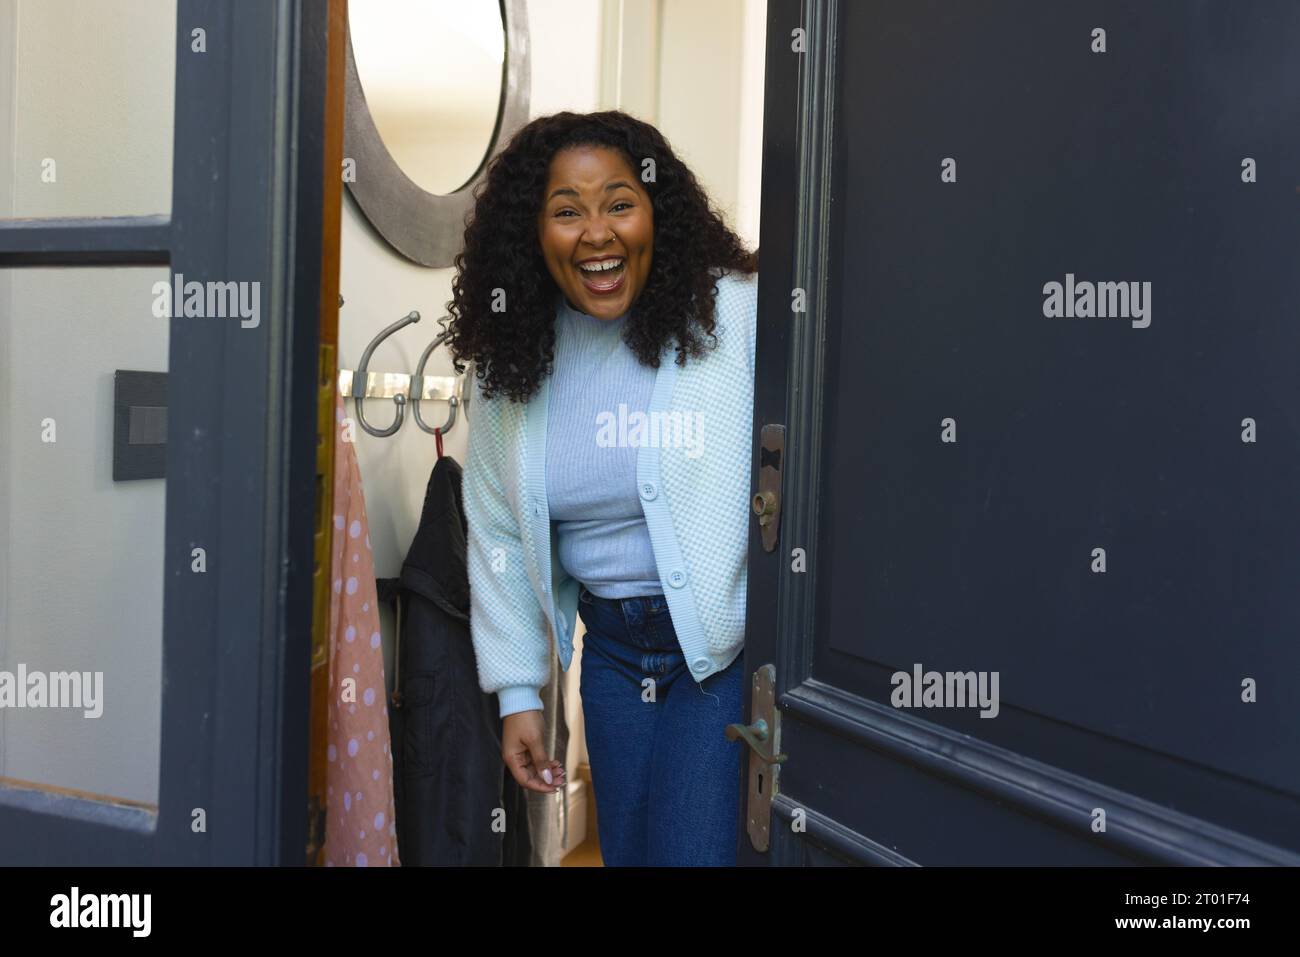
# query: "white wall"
{"type": "Point", "coordinates": [379, 287]}
{"type": "Point", "coordinates": [650, 57]}
{"type": "Point", "coordinates": [710, 98]}
{"type": "Point", "coordinates": [89, 85]}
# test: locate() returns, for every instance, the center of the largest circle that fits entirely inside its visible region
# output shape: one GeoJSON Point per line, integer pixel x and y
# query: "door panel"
{"type": "Point", "coordinates": [215, 700]}
{"type": "Point", "coordinates": [955, 456]}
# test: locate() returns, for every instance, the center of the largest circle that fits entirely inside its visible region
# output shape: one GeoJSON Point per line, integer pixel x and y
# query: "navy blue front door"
{"type": "Point", "coordinates": [1028, 315]}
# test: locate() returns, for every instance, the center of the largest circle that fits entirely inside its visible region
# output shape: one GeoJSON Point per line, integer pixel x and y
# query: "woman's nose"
{"type": "Point", "coordinates": [598, 233]}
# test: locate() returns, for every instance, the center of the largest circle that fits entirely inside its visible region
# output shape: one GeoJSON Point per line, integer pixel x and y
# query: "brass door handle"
{"type": "Point", "coordinates": [763, 735]}
{"type": "Point", "coordinates": [756, 735]}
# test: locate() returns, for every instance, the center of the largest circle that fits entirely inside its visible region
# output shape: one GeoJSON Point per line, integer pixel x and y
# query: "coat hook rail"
{"type": "Point", "coordinates": [401, 387]}
{"type": "Point", "coordinates": [387, 385]}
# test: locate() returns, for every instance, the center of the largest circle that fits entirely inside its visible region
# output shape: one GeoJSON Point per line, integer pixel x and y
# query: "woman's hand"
{"type": "Point", "coordinates": [521, 750]}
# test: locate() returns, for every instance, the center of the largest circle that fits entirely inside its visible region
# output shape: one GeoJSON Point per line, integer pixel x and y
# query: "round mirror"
{"type": "Point", "coordinates": [434, 89]}
{"type": "Point", "coordinates": [431, 71]}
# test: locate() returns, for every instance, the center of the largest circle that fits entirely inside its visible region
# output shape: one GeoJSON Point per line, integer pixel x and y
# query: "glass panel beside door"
{"type": "Point", "coordinates": [81, 554]}
{"type": "Point", "coordinates": [87, 88]}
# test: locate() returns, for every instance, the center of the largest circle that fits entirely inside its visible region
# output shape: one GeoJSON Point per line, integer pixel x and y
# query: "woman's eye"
{"type": "Point", "coordinates": [616, 206]}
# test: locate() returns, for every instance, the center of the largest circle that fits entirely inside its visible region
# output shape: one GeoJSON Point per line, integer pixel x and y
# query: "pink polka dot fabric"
{"type": "Point", "coordinates": [360, 830]}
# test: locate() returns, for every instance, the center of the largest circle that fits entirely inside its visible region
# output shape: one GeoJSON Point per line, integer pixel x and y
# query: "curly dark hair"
{"type": "Point", "coordinates": [513, 351]}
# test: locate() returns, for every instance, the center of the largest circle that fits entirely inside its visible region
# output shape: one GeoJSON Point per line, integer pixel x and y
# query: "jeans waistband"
{"type": "Point", "coordinates": [636, 606]}
{"type": "Point", "coordinates": [643, 621]}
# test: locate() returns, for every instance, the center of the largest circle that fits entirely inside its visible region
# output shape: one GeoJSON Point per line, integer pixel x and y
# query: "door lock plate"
{"type": "Point", "coordinates": [767, 502]}
{"type": "Point", "coordinates": [763, 736]}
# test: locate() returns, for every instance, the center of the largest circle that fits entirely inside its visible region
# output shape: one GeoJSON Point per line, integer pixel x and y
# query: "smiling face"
{"type": "Point", "coordinates": [596, 229]}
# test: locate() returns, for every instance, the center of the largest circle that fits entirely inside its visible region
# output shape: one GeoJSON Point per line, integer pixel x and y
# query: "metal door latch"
{"type": "Point", "coordinates": [763, 736]}
{"type": "Point", "coordinates": [767, 502]}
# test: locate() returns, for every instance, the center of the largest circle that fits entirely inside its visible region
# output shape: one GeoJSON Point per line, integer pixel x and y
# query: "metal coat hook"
{"type": "Point", "coordinates": [359, 394]}
{"type": "Point", "coordinates": [416, 395]}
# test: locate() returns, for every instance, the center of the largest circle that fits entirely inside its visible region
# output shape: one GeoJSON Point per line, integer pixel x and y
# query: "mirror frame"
{"type": "Point", "coordinates": [428, 228]}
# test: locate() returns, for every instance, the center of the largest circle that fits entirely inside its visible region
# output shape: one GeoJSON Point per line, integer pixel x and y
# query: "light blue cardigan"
{"type": "Point", "coordinates": [695, 497]}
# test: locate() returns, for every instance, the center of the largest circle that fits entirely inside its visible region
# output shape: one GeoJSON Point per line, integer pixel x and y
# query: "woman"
{"type": "Point", "coordinates": [608, 478]}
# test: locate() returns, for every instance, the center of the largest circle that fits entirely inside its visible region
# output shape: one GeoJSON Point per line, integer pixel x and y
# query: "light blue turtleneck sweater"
{"type": "Point", "coordinates": [591, 456]}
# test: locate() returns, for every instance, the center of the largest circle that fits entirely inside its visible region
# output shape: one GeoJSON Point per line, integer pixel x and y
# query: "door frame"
{"type": "Point", "coordinates": [241, 437]}
{"type": "Point", "coordinates": [795, 217]}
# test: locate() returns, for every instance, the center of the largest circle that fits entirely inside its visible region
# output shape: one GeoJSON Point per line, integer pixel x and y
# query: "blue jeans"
{"type": "Point", "coordinates": [666, 777]}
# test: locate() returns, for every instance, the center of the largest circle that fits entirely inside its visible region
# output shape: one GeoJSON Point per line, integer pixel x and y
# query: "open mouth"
{"type": "Point", "coordinates": [603, 277]}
